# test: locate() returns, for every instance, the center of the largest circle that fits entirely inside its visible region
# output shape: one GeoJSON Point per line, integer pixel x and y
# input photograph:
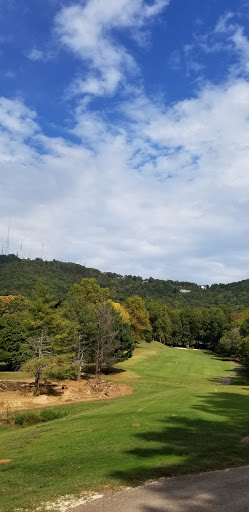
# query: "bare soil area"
{"type": "Point", "coordinates": [19, 395]}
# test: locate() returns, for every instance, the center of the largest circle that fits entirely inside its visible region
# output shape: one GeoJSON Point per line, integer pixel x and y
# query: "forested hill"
{"type": "Point", "coordinates": [20, 276]}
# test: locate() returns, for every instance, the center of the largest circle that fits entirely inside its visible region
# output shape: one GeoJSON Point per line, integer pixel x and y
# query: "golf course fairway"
{"type": "Point", "coordinates": [178, 419]}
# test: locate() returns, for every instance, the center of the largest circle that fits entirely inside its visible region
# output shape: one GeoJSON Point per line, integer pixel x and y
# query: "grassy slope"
{"type": "Point", "coordinates": [187, 422]}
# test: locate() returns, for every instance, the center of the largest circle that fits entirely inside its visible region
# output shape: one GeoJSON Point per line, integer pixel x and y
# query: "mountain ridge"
{"type": "Point", "coordinates": [19, 276]}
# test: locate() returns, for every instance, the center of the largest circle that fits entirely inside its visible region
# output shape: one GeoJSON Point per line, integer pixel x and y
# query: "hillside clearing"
{"type": "Point", "coordinates": [16, 395]}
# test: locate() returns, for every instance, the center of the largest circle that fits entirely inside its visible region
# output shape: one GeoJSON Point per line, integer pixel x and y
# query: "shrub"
{"type": "Point", "coordinates": [27, 419]}
{"type": "Point", "coordinates": [49, 415]}
{"type": "Point", "coordinates": [148, 337]}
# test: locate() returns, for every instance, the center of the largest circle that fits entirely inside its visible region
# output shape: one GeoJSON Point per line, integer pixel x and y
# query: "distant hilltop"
{"type": "Point", "coordinates": [19, 276]}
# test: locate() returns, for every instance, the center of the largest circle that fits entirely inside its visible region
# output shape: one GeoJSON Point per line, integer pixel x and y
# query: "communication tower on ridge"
{"type": "Point", "coordinates": [7, 240]}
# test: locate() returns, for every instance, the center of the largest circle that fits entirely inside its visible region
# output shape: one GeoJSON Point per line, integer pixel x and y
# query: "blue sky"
{"type": "Point", "coordinates": [124, 135]}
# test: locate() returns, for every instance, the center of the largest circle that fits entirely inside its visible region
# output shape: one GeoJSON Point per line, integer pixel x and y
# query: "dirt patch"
{"type": "Point", "coordinates": [245, 440]}
{"type": "Point", "coordinates": [20, 395]}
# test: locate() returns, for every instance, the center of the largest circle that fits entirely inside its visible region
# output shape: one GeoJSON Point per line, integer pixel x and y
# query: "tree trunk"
{"type": "Point", "coordinates": [40, 345]}
{"type": "Point", "coordinates": [37, 380]}
{"type": "Point", "coordinates": [79, 371]}
{"type": "Point", "coordinates": [97, 366]}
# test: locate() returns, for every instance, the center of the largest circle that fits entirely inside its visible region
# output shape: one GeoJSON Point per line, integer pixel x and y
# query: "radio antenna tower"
{"type": "Point", "coordinates": [7, 240]}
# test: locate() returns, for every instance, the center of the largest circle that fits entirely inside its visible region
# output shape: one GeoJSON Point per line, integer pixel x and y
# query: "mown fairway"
{"type": "Point", "coordinates": [179, 419]}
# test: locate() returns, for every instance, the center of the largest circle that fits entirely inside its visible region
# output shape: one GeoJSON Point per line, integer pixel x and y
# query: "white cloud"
{"type": "Point", "coordinates": [163, 193]}
{"type": "Point", "coordinates": [88, 31]}
{"type": "Point", "coordinates": [228, 37]}
{"type": "Point", "coordinates": [37, 55]}
{"type": "Point", "coordinates": [238, 42]}
{"type": "Point", "coordinates": [158, 190]}
{"type": "Point", "coordinates": [16, 118]}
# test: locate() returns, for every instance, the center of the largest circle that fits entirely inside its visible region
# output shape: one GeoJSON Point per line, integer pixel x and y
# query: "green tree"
{"type": "Point", "coordinates": [214, 325]}
{"type": "Point", "coordinates": [159, 320]}
{"type": "Point", "coordinates": [244, 353]}
{"type": "Point", "coordinates": [176, 327]}
{"type": "Point", "coordinates": [50, 367]}
{"type": "Point", "coordinates": [48, 327]}
{"type": "Point", "coordinates": [90, 291]}
{"type": "Point", "coordinates": [125, 339]}
{"type": "Point", "coordinates": [105, 342]}
{"type": "Point", "coordinates": [244, 328]}
{"type": "Point", "coordinates": [230, 342]}
{"type": "Point", "coordinates": [14, 330]}
{"type": "Point", "coordinates": [186, 317]}
{"type": "Point", "coordinates": [82, 306]}
{"type": "Point", "coordinates": [81, 331]}
{"type": "Point", "coordinates": [39, 368]}
{"type": "Point", "coordinates": [99, 336]}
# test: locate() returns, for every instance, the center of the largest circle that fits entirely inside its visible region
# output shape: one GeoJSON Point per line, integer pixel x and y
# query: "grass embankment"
{"type": "Point", "coordinates": [179, 419]}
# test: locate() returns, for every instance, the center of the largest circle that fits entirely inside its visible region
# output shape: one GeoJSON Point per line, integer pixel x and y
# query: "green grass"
{"type": "Point", "coordinates": [186, 422]}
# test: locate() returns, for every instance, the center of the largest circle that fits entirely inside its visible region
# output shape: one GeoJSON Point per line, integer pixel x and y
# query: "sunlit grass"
{"type": "Point", "coordinates": [178, 419]}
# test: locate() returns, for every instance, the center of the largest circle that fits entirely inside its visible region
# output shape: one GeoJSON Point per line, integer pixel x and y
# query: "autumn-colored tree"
{"type": "Point", "coordinates": [139, 317]}
{"type": "Point", "coordinates": [12, 303]}
{"type": "Point", "coordinates": [121, 310]}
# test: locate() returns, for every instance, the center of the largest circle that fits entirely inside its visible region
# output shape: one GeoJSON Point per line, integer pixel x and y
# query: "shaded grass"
{"type": "Point", "coordinates": [177, 420]}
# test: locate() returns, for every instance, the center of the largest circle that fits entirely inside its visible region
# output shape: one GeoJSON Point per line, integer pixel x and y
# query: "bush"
{"type": "Point", "coordinates": [26, 419]}
{"type": "Point", "coordinates": [49, 415]}
{"type": "Point", "coordinates": [62, 372]}
{"type": "Point", "coordinates": [3, 367]}
{"type": "Point", "coordinates": [148, 337]}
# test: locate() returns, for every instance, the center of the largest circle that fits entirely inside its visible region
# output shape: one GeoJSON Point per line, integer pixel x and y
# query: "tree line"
{"type": "Point", "coordinates": [88, 331]}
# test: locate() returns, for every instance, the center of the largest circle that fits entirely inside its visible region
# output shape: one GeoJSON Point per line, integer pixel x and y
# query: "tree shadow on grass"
{"type": "Point", "coordinates": [214, 438]}
{"type": "Point", "coordinates": [235, 377]}
{"type": "Point", "coordinates": [113, 371]}
{"type": "Point", "coordinates": [216, 357]}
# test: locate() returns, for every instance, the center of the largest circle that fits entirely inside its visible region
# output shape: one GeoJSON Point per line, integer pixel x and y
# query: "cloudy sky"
{"type": "Point", "coordinates": [124, 135]}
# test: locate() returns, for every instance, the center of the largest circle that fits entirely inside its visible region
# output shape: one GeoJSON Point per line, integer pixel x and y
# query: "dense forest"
{"type": "Point", "coordinates": [19, 276]}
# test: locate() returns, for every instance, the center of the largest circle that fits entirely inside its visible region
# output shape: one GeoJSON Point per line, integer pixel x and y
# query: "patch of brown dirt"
{"type": "Point", "coordinates": [20, 395]}
{"type": "Point", "coordinates": [245, 440]}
